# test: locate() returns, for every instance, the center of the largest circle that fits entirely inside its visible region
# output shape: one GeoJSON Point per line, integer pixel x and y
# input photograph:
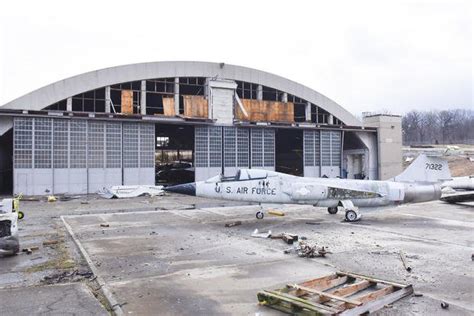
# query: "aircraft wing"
{"type": "Point", "coordinates": [316, 191]}
{"type": "Point", "coordinates": [345, 193]}
{"type": "Point", "coordinates": [459, 197]}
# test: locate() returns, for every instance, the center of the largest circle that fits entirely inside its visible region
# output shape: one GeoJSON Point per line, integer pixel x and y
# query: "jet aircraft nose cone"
{"type": "Point", "coordinates": [187, 188]}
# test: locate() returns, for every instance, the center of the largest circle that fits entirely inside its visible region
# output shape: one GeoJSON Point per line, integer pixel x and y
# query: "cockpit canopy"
{"type": "Point", "coordinates": [243, 175]}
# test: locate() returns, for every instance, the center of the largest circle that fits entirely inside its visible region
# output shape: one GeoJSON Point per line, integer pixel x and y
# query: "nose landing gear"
{"type": "Point", "coordinates": [260, 214]}
{"type": "Point", "coordinates": [352, 213]}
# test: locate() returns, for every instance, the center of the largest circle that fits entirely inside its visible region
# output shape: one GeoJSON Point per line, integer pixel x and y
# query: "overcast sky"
{"type": "Point", "coordinates": [366, 55]}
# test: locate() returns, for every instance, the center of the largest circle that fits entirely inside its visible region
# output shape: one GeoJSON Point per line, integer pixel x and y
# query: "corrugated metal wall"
{"type": "Point", "coordinates": [322, 153]}
{"type": "Point", "coordinates": [80, 156]}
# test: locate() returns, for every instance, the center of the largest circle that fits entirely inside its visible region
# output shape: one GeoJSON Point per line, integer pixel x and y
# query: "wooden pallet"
{"type": "Point", "coordinates": [341, 293]}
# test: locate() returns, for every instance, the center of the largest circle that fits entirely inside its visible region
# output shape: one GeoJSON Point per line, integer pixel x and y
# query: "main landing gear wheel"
{"type": "Point", "coordinates": [352, 216]}
{"type": "Point", "coordinates": [259, 215]}
{"type": "Point", "coordinates": [332, 210]}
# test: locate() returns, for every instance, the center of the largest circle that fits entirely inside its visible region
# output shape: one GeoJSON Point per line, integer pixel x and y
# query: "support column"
{"type": "Point", "coordinates": [176, 96]}
{"type": "Point", "coordinates": [107, 100]}
{"type": "Point", "coordinates": [307, 112]}
{"type": "Point", "coordinates": [69, 104]}
{"type": "Point", "coordinates": [143, 97]}
{"type": "Point", "coordinates": [259, 92]}
{"type": "Point", "coordinates": [330, 119]}
{"type": "Point", "coordinates": [284, 97]}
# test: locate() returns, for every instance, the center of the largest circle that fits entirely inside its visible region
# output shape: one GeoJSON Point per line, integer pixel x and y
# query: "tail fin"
{"type": "Point", "coordinates": [425, 169]}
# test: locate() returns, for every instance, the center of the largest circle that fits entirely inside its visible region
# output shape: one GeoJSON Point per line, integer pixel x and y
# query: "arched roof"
{"type": "Point", "coordinates": [60, 90]}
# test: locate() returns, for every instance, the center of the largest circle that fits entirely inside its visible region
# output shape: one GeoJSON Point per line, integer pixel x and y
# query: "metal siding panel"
{"type": "Point", "coordinates": [326, 148]}
{"type": "Point", "coordinates": [78, 144]}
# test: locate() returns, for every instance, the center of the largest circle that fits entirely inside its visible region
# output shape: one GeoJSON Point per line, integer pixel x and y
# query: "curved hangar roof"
{"type": "Point", "coordinates": [60, 90]}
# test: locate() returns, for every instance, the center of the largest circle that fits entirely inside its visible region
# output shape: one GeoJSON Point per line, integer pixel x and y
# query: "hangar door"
{"type": "Point", "coordinates": [207, 151]}
{"type": "Point", "coordinates": [80, 156]}
{"type": "Point", "coordinates": [322, 153]}
{"type": "Point", "coordinates": [263, 148]}
{"type": "Point", "coordinates": [236, 149]}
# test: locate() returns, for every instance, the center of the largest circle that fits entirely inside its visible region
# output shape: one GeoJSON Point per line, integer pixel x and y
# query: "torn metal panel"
{"type": "Point", "coordinates": [131, 191]}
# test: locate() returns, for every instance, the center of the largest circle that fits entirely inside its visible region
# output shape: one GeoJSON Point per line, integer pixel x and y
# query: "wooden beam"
{"type": "Point", "coordinates": [360, 276]}
{"type": "Point", "coordinates": [376, 294]}
{"type": "Point", "coordinates": [352, 289]}
{"type": "Point", "coordinates": [314, 282]}
{"type": "Point", "coordinates": [327, 295]}
{"type": "Point", "coordinates": [309, 304]}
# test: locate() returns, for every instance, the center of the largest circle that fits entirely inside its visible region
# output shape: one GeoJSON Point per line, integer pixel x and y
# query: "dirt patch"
{"type": "Point", "coordinates": [460, 166]}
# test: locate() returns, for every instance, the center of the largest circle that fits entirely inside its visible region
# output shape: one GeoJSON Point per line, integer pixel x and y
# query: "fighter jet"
{"type": "Point", "coordinates": [420, 182]}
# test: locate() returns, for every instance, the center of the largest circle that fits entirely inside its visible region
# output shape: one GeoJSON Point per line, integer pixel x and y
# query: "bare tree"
{"type": "Point", "coordinates": [443, 127]}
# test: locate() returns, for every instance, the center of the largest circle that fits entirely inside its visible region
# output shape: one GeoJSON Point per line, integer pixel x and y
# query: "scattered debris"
{"type": "Point", "coordinates": [50, 242]}
{"type": "Point", "coordinates": [84, 202]}
{"type": "Point", "coordinates": [27, 250]}
{"type": "Point", "coordinates": [104, 225]}
{"type": "Point", "coordinates": [237, 223]}
{"type": "Point", "coordinates": [65, 198]}
{"type": "Point", "coordinates": [444, 305]}
{"type": "Point", "coordinates": [275, 212]}
{"type": "Point", "coordinates": [288, 238]}
{"type": "Point", "coordinates": [313, 223]}
{"type": "Point", "coordinates": [68, 276]}
{"type": "Point", "coordinates": [130, 191]}
{"type": "Point", "coordinates": [52, 198]}
{"type": "Point", "coordinates": [307, 251]}
{"type": "Point", "coordinates": [331, 295]}
{"type": "Point", "coordinates": [404, 261]}
{"type": "Point", "coordinates": [257, 234]}
{"type": "Point", "coordinates": [417, 294]}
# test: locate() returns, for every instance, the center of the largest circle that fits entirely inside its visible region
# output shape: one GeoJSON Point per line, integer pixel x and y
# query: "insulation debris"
{"type": "Point", "coordinates": [131, 191]}
{"type": "Point", "coordinates": [257, 234]}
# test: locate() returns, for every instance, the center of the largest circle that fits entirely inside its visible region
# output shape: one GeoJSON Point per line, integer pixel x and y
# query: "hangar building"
{"type": "Point", "coordinates": [119, 125]}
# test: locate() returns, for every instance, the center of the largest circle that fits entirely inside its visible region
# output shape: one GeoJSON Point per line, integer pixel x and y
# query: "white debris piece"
{"type": "Point", "coordinates": [257, 234]}
{"type": "Point", "coordinates": [130, 191]}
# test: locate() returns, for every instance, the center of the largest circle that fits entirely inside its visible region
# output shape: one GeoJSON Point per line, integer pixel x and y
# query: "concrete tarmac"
{"type": "Point", "coordinates": [184, 261]}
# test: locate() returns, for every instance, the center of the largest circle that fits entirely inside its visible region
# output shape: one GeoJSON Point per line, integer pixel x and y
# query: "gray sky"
{"type": "Point", "coordinates": [365, 55]}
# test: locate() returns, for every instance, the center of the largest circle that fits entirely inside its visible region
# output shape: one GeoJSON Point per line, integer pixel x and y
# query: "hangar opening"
{"type": "Point", "coordinates": [174, 157]}
{"type": "Point", "coordinates": [289, 151]}
{"type": "Point", "coordinates": [6, 163]}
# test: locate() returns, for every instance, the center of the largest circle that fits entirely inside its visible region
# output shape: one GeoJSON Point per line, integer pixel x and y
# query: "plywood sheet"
{"type": "Point", "coordinates": [127, 102]}
{"type": "Point", "coordinates": [195, 106]}
{"type": "Point", "coordinates": [266, 111]}
{"type": "Point", "coordinates": [168, 106]}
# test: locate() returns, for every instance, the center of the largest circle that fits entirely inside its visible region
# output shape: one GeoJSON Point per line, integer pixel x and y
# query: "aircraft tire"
{"type": "Point", "coordinates": [332, 210]}
{"type": "Point", "coordinates": [352, 216]}
{"type": "Point", "coordinates": [259, 215]}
